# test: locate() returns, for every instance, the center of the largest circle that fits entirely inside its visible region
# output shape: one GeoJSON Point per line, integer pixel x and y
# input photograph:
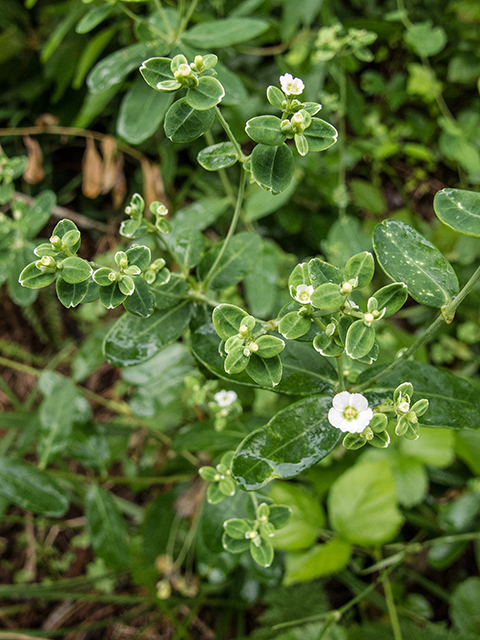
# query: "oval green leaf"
{"type": "Point", "coordinates": [320, 135]}
{"type": "Point", "coordinates": [208, 93]}
{"type": "Point", "coordinates": [459, 209]}
{"type": "Point", "coordinates": [183, 123]}
{"type": "Point", "coordinates": [265, 130]}
{"type": "Point", "coordinates": [360, 340]}
{"type": "Point", "coordinates": [273, 167]}
{"type": "Point", "coordinates": [70, 295]}
{"type": "Point", "coordinates": [218, 156]}
{"type": "Point", "coordinates": [239, 257]}
{"type": "Point", "coordinates": [155, 70]}
{"type": "Point", "coordinates": [224, 32]}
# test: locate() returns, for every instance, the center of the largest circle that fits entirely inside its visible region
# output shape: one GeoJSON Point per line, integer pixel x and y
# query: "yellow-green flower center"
{"type": "Point", "coordinates": [350, 413]}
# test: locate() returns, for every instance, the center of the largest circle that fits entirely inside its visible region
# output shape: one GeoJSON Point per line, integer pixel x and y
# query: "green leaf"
{"type": "Point", "coordinates": [208, 93]}
{"type": "Point", "coordinates": [93, 18]}
{"type": "Point", "coordinates": [328, 296]}
{"type": "Point", "coordinates": [464, 605]}
{"type": "Point", "coordinates": [31, 489]}
{"type": "Point", "coordinates": [321, 272]}
{"type": "Point", "coordinates": [224, 32]}
{"type": "Point", "coordinates": [407, 257]}
{"type": "Point", "coordinates": [139, 255]}
{"type": "Point", "coordinates": [266, 130]}
{"type": "Point", "coordinates": [260, 203]}
{"type": "Point", "coordinates": [183, 123]}
{"type": "Point", "coordinates": [269, 346]}
{"type": "Point", "coordinates": [345, 237]}
{"type": "Point", "coordinates": [263, 554]}
{"type": "Point", "coordinates": [275, 97]}
{"type": "Point", "coordinates": [232, 545]}
{"type": "Point", "coordinates": [70, 295]}
{"type": "Point", "coordinates": [38, 214]}
{"type": "Point", "coordinates": [360, 266]}
{"type": "Point", "coordinates": [392, 297]}
{"type": "Point", "coordinates": [75, 270]}
{"type": "Point", "coordinates": [236, 361]}
{"type": "Point", "coordinates": [237, 528]}
{"type": "Point", "coordinates": [218, 156]}
{"type": "Point", "coordinates": [360, 340]}
{"type": "Point", "coordinates": [111, 295]}
{"type": "Point", "coordinates": [459, 209]}
{"type": "Point", "coordinates": [367, 196]}
{"type": "Point", "coordinates": [227, 319]}
{"type": "Point", "coordinates": [132, 340]}
{"type": "Point", "coordinates": [273, 167]}
{"type": "Point", "coordinates": [141, 112]}
{"type": "Point", "coordinates": [266, 372]}
{"type": "Point", "coordinates": [305, 372]}
{"type": "Point", "coordinates": [235, 92]}
{"type": "Point", "coordinates": [320, 560]}
{"type": "Point", "coordinates": [62, 228]}
{"type": "Point", "coordinates": [141, 302]}
{"type": "Point", "coordinates": [326, 345]}
{"type": "Point", "coordinates": [155, 70]}
{"type": "Point", "coordinates": [279, 515]}
{"type": "Point", "coordinates": [106, 528]}
{"type": "Point", "coordinates": [189, 246]}
{"type": "Point", "coordinates": [33, 278]}
{"type": "Point", "coordinates": [199, 215]}
{"type": "Point", "coordinates": [424, 39]}
{"type": "Point", "coordinates": [320, 135]}
{"type": "Point", "coordinates": [454, 402]}
{"type": "Point", "coordinates": [295, 439]}
{"type": "Point", "coordinates": [171, 293]}
{"type": "Point", "coordinates": [293, 326]}
{"type": "Point", "coordinates": [301, 144]}
{"type": "Point", "coordinates": [116, 66]}
{"type": "Point", "coordinates": [238, 259]}
{"type": "Point", "coordinates": [362, 504]}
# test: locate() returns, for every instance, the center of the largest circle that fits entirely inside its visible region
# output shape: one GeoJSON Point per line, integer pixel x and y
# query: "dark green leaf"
{"type": "Point", "coordinates": [273, 167]}
{"type": "Point", "coordinates": [75, 270]}
{"type": "Point", "coordinates": [238, 259]}
{"type": "Point", "coordinates": [227, 319]}
{"type": "Point", "coordinates": [170, 293]}
{"type": "Point", "coordinates": [70, 295]}
{"type": "Point", "coordinates": [115, 67]}
{"type": "Point", "coordinates": [38, 214]}
{"type": "Point", "coordinates": [140, 303]}
{"type": "Point", "coordinates": [183, 123]}
{"type": "Point", "coordinates": [93, 18]}
{"type": "Point", "coordinates": [218, 156]}
{"type": "Point", "coordinates": [321, 272]}
{"type": "Point", "coordinates": [459, 209]}
{"type": "Point", "coordinates": [111, 295]}
{"type": "Point", "coordinates": [266, 130]}
{"type": "Point", "coordinates": [189, 246]}
{"type": "Point", "coordinates": [224, 32]}
{"type": "Point", "coordinates": [33, 278]}
{"type": "Point", "coordinates": [266, 372]}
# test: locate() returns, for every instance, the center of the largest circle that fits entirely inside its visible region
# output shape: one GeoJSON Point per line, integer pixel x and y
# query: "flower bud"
{"type": "Point", "coordinates": [346, 287]}
{"type": "Point", "coordinates": [368, 318]}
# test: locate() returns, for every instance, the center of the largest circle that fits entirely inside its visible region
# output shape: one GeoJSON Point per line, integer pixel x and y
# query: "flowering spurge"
{"type": "Point", "coordinates": [242, 534]}
{"type": "Point", "coordinates": [351, 414]}
{"type": "Point", "coordinates": [405, 415]}
{"type": "Point", "coordinates": [291, 86]}
{"type": "Point", "coordinates": [221, 483]}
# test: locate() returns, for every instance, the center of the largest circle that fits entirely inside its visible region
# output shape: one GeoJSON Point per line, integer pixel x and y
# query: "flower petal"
{"type": "Point", "coordinates": [335, 417]}
{"type": "Point", "coordinates": [358, 401]}
{"type": "Point", "coordinates": [363, 420]}
{"type": "Point", "coordinates": [341, 400]}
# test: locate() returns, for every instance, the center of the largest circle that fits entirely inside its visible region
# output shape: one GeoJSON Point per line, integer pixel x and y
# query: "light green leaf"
{"type": "Point", "coordinates": [183, 123]}
{"type": "Point", "coordinates": [273, 167]}
{"type": "Point", "coordinates": [266, 130]}
{"type": "Point", "coordinates": [208, 93]}
{"type": "Point", "coordinates": [155, 70]}
{"type": "Point", "coordinates": [218, 156]}
{"type": "Point", "coordinates": [459, 209]}
{"type": "Point", "coordinates": [227, 319]}
{"type": "Point", "coordinates": [132, 340]}
{"type": "Point", "coordinates": [33, 278]}
{"type": "Point", "coordinates": [367, 196]}
{"type": "Point", "coordinates": [362, 504]}
{"type": "Point", "coordinates": [321, 272]}
{"type": "Point", "coordinates": [199, 215]}
{"type": "Point", "coordinates": [360, 266]}
{"type": "Point", "coordinates": [464, 609]}
{"type": "Point", "coordinates": [38, 214]}
{"type": "Point", "coordinates": [75, 270]}
{"type": "Point", "coordinates": [266, 372]}
{"type": "Point", "coordinates": [424, 39]}
{"type": "Point", "coordinates": [407, 257]}
{"type": "Point", "coordinates": [224, 32]}
{"type": "Point", "coordinates": [106, 528]}
{"type": "Point", "coordinates": [31, 489]}
{"type": "Point", "coordinates": [238, 259]}
{"type": "Point", "coordinates": [115, 67]}
{"type": "Point", "coordinates": [293, 326]}
{"type": "Point", "coordinates": [328, 296]}
{"type": "Point", "coordinates": [320, 135]}
{"type": "Point", "coordinates": [263, 554]}
{"type": "Point", "coordinates": [295, 439]}
{"type": "Point", "coordinates": [260, 203]}
{"type": "Point", "coordinates": [93, 18]}
{"type": "Point", "coordinates": [391, 297]}
{"type": "Point", "coordinates": [320, 560]}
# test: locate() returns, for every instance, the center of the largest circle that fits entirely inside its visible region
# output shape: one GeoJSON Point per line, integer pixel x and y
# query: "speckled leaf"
{"type": "Point", "coordinates": [454, 402]}
{"type": "Point", "coordinates": [218, 156]}
{"type": "Point", "coordinates": [459, 209]}
{"type": "Point", "coordinates": [132, 340]}
{"type": "Point", "coordinates": [305, 372]}
{"type": "Point", "coordinates": [407, 257]}
{"type": "Point", "coordinates": [294, 440]}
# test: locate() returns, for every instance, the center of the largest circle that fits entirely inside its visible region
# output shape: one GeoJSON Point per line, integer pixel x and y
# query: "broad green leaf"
{"type": "Point", "coordinates": [238, 259]}
{"type": "Point", "coordinates": [116, 66]}
{"type": "Point", "coordinates": [360, 340]}
{"type": "Point", "coordinates": [31, 489]}
{"type": "Point", "coordinates": [111, 295]}
{"type": "Point", "coordinates": [189, 246]}
{"type": "Point", "coordinates": [236, 360]}
{"type": "Point", "coordinates": [320, 560]}
{"type": "Point", "coordinates": [224, 32]}
{"type": "Point", "coordinates": [139, 255]}
{"type": "Point", "coordinates": [171, 293]}
{"type": "Point", "coordinates": [262, 282]}
{"type": "Point", "coordinates": [33, 278]}
{"type": "Point", "coordinates": [227, 319]}
{"type": "Point", "coordinates": [328, 296]}
{"type": "Point", "coordinates": [90, 54]}
{"type": "Point", "coordinates": [392, 297]}
{"type": "Point", "coordinates": [306, 520]}
{"type": "Point", "coordinates": [293, 326]}
{"type": "Point", "coordinates": [295, 439]}
{"type": "Point", "coordinates": [141, 302]}
{"type": "Point", "coordinates": [208, 93]}
{"type": "Point", "coordinates": [321, 272]}
{"type": "Point", "coordinates": [75, 270]}
{"type": "Point", "coordinates": [360, 267]}
{"type": "Point", "coordinates": [305, 372]}
{"type": "Point", "coordinates": [132, 340]}
{"type": "Point", "coordinates": [260, 203]}
{"type": "Point", "coordinates": [464, 609]}
{"type": "Point", "coordinates": [424, 39]}
{"type": "Point", "coordinates": [266, 372]}
{"type": "Point", "coordinates": [265, 130]}
{"type": "Point", "coordinates": [141, 112]}
{"type": "Point", "coordinates": [199, 215]}
{"type": "Point", "coordinates": [93, 18]}
{"type": "Point", "coordinates": [155, 70]}
{"type": "Point", "coordinates": [467, 448]}
{"type": "Point", "coordinates": [183, 123]}
{"type": "Point", "coordinates": [235, 92]}
{"type": "Point", "coordinates": [454, 402]}
{"type": "Point", "coordinates": [70, 295]}
{"type": "Point", "coordinates": [436, 447]}
{"type": "Point", "coordinates": [269, 346]}
{"type": "Point", "coordinates": [459, 209]}
{"type": "Point", "coordinates": [218, 156]}
{"type": "Point", "coordinates": [362, 504]}
{"type": "Point", "coordinates": [273, 167]}
{"type": "Point", "coordinates": [326, 345]}
{"type": "Point", "coordinates": [320, 135]}
{"type": "Point", "coordinates": [264, 553]}
{"type": "Point", "coordinates": [106, 528]}
{"type": "Point", "coordinates": [38, 214]}
{"type": "Point", "coordinates": [210, 527]}
{"type": "Point", "coordinates": [407, 257]}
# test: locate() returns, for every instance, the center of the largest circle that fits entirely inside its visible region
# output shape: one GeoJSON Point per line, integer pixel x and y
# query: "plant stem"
{"type": "Point", "coordinates": [230, 135]}
{"type": "Point", "coordinates": [161, 11]}
{"type": "Point", "coordinates": [188, 15]}
{"type": "Point", "coordinates": [236, 216]}
{"type": "Point", "coordinates": [447, 314]}
{"type": "Point", "coordinates": [67, 475]}
{"type": "Point", "coordinates": [392, 610]}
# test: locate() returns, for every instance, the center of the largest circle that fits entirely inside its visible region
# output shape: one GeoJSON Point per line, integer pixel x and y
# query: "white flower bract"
{"type": "Point", "coordinates": [225, 398]}
{"type": "Point", "coordinates": [350, 412]}
{"type": "Point", "coordinates": [303, 293]}
{"type": "Point", "coordinates": [291, 86]}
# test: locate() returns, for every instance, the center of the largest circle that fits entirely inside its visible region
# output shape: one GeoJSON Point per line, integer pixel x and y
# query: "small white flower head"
{"type": "Point", "coordinates": [225, 398]}
{"type": "Point", "coordinates": [303, 293]}
{"type": "Point", "coordinates": [350, 412]}
{"type": "Point", "coordinates": [291, 86]}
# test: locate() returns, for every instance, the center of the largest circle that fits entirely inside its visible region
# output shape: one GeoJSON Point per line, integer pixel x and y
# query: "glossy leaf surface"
{"type": "Point", "coordinates": [294, 440]}
{"type": "Point", "coordinates": [407, 257]}
{"type": "Point", "coordinates": [217, 156]}
{"type": "Point", "coordinates": [208, 93]}
{"type": "Point", "coordinates": [183, 123]}
{"type": "Point", "coordinates": [115, 67]}
{"type": "Point", "coordinates": [320, 135]}
{"type": "Point", "coordinates": [266, 372]}
{"type": "Point", "coordinates": [459, 209]}
{"type": "Point", "coordinates": [70, 295]}
{"type": "Point", "coordinates": [141, 302]}
{"type": "Point", "coordinates": [273, 167]}
{"type": "Point", "coordinates": [266, 130]}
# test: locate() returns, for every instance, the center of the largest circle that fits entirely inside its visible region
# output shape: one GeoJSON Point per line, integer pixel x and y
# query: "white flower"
{"type": "Point", "coordinates": [225, 398]}
{"type": "Point", "coordinates": [303, 293]}
{"type": "Point", "coordinates": [291, 86]}
{"type": "Point", "coordinates": [350, 412]}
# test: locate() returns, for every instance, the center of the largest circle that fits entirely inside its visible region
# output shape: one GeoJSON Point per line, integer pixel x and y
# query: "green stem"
{"type": "Point", "coordinates": [222, 173]}
{"type": "Point", "coordinates": [392, 610]}
{"type": "Point", "coordinates": [161, 11]}
{"type": "Point", "coordinates": [236, 216]}
{"type": "Point", "coordinates": [10, 395]}
{"type": "Point", "coordinates": [188, 15]}
{"type": "Point", "coordinates": [230, 135]}
{"type": "Point", "coordinates": [140, 20]}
